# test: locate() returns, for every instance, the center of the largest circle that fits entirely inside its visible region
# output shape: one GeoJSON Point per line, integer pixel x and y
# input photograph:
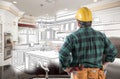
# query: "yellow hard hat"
{"type": "Point", "coordinates": [84, 14]}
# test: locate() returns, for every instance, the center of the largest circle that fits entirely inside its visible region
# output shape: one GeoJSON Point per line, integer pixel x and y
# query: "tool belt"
{"type": "Point", "coordinates": [87, 73]}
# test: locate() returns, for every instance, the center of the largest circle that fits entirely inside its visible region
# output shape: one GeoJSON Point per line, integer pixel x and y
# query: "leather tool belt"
{"type": "Point", "coordinates": [87, 73]}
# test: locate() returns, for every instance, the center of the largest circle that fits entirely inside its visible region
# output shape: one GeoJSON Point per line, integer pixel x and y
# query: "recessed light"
{"type": "Point", "coordinates": [65, 9]}
{"type": "Point", "coordinates": [15, 2]}
{"type": "Point", "coordinates": [47, 14]}
{"type": "Point", "coordinates": [50, 1]}
{"type": "Point", "coordinates": [41, 5]}
{"type": "Point", "coordinates": [95, 0]}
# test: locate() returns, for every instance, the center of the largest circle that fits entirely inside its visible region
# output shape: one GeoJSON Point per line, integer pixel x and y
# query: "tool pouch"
{"type": "Point", "coordinates": [101, 74]}
{"type": "Point", "coordinates": [93, 73]}
{"type": "Point", "coordinates": [82, 74]}
{"type": "Point", "coordinates": [88, 73]}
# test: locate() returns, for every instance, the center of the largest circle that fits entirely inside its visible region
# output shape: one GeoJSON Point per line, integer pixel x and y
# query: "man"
{"type": "Point", "coordinates": [82, 52]}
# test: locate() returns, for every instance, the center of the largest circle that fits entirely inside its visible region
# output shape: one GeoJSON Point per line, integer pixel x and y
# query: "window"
{"type": "Point", "coordinates": [22, 39]}
{"type": "Point", "coordinates": [48, 34]}
{"type": "Point", "coordinates": [32, 39]}
{"type": "Point", "coordinates": [72, 26]}
{"type": "Point", "coordinates": [27, 35]}
{"type": "Point", "coordinates": [67, 27]}
{"type": "Point", "coordinates": [62, 27]}
{"type": "Point", "coordinates": [40, 38]}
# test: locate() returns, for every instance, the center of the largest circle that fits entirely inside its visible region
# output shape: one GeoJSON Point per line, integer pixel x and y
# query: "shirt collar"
{"type": "Point", "coordinates": [84, 28]}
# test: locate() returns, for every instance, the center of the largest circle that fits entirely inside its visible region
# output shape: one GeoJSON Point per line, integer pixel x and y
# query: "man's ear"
{"type": "Point", "coordinates": [78, 23]}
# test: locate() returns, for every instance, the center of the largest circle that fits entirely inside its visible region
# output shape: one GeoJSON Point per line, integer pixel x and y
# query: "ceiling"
{"type": "Point", "coordinates": [48, 7]}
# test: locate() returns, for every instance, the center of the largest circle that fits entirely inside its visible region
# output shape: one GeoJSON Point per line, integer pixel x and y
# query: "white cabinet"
{"type": "Point", "coordinates": [1, 39]}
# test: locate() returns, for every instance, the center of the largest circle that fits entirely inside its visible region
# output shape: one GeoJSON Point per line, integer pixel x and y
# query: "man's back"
{"type": "Point", "coordinates": [87, 47]}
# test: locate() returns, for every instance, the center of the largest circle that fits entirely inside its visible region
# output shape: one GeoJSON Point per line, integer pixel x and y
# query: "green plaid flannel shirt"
{"type": "Point", "coordinates": [86, 46]}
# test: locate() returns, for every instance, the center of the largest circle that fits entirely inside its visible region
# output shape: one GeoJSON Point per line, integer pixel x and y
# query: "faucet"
{"type": "Point", "coordinates": [46, 70]}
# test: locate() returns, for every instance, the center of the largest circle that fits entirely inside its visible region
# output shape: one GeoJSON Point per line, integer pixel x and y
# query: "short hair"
{"type": "Point", "coordinates": [85, 24]}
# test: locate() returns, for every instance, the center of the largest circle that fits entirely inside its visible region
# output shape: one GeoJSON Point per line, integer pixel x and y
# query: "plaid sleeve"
{"type": "Point", "coordinates": [64, 53]}
{"type": "Point", "coordinates": [110, 50]}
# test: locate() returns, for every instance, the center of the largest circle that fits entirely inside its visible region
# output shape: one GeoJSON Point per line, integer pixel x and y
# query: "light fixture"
{"type": "Point", "coordinates": [65, 9]}
{"type": "Point", "coordinates": [50, 1]}
{"type": "Point", "coordinates": [95, 0]}
{"type": "Point", "coordinates": [46, 14]}
{"type": "Point", "coordinates": [15, 2]}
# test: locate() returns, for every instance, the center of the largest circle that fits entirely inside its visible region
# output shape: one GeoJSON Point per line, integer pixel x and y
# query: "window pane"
{"type": "Point", "coordinates": [32, 39]}
{"type": "Point", "coordinates": [39, 35]}
{"type": "Point", "coordinates": [67, 27]}
{"type": "Point", "coordinates": [48, 34]}
{"type": "Point", "coordinates": [72, 26]}
{"type": "Point", "coordinates": [62, 27]}
{"type": "Point", "coordinates": [22, 39]}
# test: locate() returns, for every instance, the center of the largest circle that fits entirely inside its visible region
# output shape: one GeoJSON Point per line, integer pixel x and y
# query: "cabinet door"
{"type": "Point", "coordinates": [1, 39]}
{"type": "Point", "coordinates": [0, 72]}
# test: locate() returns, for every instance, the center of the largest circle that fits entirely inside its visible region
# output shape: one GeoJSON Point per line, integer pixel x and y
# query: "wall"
{"type": "Point", "coordinates": [9, 23]}
{"type": "Point", "coordinates": [1, 54]}
{"type": "Point", "coordinates": [108, 21]}
{"type": "Point", "coordinates": [9, 16]}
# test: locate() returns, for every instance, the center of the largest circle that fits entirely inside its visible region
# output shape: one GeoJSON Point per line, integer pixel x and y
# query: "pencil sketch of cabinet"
{"type": "Point", "coordinates": [1, 38]}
